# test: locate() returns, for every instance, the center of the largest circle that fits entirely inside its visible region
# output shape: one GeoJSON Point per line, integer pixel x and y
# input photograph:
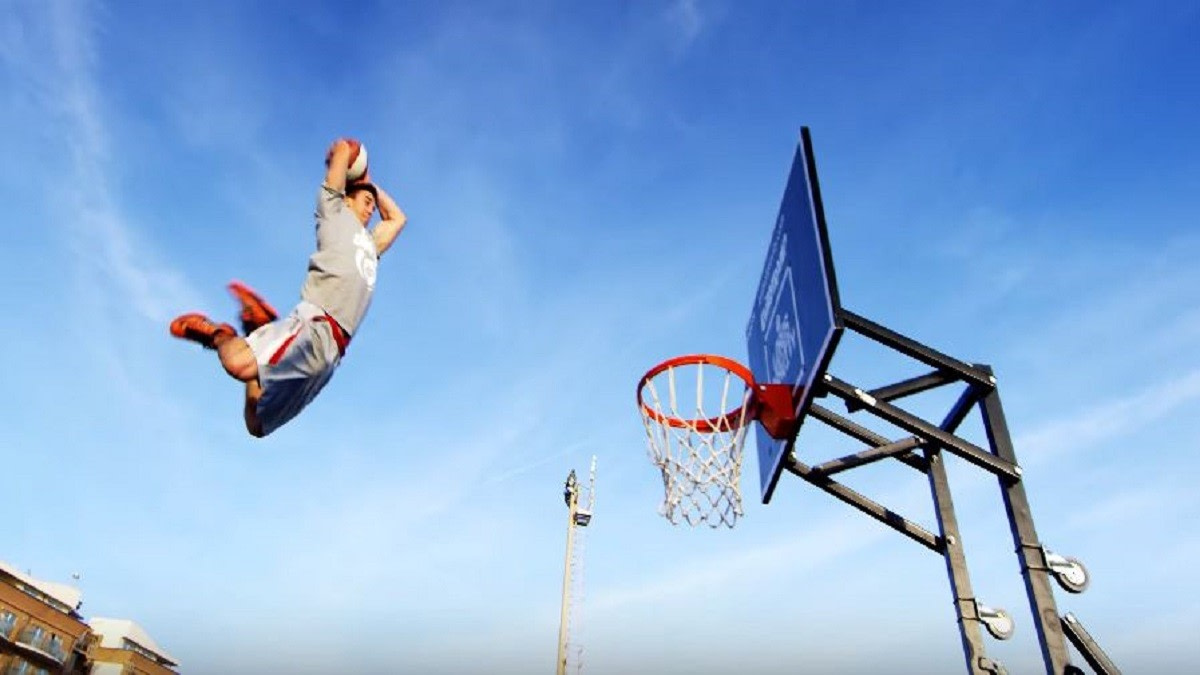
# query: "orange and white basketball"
{"type": "Point", "coordinates": [358, 161]}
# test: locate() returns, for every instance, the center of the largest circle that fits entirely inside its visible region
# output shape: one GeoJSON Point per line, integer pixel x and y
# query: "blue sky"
{"type": "Point", "coordinates": [591, 189]}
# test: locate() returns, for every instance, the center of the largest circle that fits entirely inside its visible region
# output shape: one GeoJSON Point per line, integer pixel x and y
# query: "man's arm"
{"type": "Point", "coordinates": [392, 221]}
{"type": "Point", "coordinates": [337, 161]}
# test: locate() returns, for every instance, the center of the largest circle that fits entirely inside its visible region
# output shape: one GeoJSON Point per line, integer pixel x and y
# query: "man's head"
{"type": "Point", "coordinates": [360, 199]}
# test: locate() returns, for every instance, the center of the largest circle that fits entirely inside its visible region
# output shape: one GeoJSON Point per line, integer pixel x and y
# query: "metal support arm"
{"type": "Point", "coordinates": [866, 505]}
{"type": "Point", "coordinates": [914, 349]}
{"type": "Point", "coordinates": [915, 425]}
{"type": "Point", "coordinates": [1036, 563]}
{"type": "Point", "coordinates": [1091, 651]}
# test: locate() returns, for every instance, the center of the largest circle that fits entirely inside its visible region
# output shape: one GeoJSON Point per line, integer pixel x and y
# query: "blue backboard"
{"type": "Point", "coordinates": [795, 324]}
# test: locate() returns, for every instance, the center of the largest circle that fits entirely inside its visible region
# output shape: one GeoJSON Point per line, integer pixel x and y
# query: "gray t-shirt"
{"type": "Point", "coordinates": [341, 274]}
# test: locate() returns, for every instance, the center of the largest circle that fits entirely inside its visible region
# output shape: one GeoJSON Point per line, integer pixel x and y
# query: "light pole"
{"type": "Point", "coordinates": [577, 516]}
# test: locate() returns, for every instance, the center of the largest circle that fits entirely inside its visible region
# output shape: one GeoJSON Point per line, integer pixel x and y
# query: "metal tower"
{"type": "Point", "coordinates": [579, 515]}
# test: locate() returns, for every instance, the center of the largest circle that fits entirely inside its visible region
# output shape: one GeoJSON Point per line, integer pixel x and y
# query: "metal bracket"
{"type": "Point", "coordinates": [997, 621]}
{"type": "Point", "coordinates": [1068, 572]}
{"type": "Point", "coordinates": [989, 666]}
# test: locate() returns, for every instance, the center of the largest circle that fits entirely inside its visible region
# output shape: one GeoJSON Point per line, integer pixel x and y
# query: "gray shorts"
{"type": "Point", "coordinates": [296, 356]}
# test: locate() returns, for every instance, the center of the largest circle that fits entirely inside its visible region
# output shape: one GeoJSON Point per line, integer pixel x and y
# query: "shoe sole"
{"type": "Point", "coordinates": [180, 329]}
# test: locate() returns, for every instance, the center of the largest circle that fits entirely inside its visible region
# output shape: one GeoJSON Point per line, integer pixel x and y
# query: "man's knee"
{"type": "Point", "coordinates": [238, 360]}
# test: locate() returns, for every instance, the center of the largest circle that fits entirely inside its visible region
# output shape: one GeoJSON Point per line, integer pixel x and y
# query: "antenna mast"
{"type": "Point", "coordinates": [579, 515]}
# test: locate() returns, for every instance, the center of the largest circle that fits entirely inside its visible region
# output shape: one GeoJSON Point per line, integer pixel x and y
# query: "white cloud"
{"type": "Point", "coordinates": [1128, 507]}
{"type": "Point", "coordinates": [1109, 420]}
{"type": "Point", "coordinates": [115, 264]}
{"type": "Point", "coordinates": [685, 18]}
{"type": "Point", "coordinates": [814, 546]}
{"type": "Point", "coordinates": [517, 470]}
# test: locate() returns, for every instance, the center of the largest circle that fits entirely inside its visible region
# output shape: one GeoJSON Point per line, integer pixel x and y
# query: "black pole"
{"type": "Point", "coordinates": [1034, 569]}
{"type": "Point", "coordinates": [914, 349]}
{"type": "Point", "coordinates": [965, 607]}
{"type": "Point", "coordinates": [1092, 653]}
{"type": "Point", "coordinates": [866, 505]}
{"type": "Point", "coordinates": [923, 429]}
{"type": "Point", "coordinates": [864, 434]}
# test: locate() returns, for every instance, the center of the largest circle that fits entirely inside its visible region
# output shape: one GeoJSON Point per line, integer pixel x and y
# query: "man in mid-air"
{"type": "Point", "coordinates": [285, 362]}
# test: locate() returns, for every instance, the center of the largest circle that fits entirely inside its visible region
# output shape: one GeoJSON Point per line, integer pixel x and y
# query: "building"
{"type": "Point", "coordinates": [123, 648]}
{"type": "Point", "coordinates": [41, 631]}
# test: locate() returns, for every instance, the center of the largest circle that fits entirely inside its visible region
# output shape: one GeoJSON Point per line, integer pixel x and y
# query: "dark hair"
{"type": "Point", "coordinates": [352, 188]}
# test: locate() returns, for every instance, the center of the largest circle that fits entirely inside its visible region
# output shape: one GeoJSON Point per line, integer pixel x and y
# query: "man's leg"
{"type": "Point", "coordinates": [253, 393]}
{"type": "Point", "coordinates": [239, 361]}
{"type": "Point", "coordinates": [236, 357]}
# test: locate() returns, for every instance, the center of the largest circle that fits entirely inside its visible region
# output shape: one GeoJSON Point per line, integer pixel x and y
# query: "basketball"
{"type": "Point", "coordinates": [358, 161]}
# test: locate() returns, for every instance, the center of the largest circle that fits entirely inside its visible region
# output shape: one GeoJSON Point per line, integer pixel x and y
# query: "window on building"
{"type": "Point", "coordinates": [20, 666]}
{"type": "Point", "coordinates": [135, 647]}
{"type": "Point", "coordinates": [55, 646]}
{"type": "Point", "coordinates": [34, 636]}
{"type": "Point", "coordinates": [8, 621]}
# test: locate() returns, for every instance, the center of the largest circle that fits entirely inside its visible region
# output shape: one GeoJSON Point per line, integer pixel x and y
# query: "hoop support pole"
{"type": "Point", "coordinates": [914, 349]}
{"type": "Point", "coordinates": [999, 466]}
{"type": "Point", "coordinates": [900, 447]}
{"type": "Point", "coordinates": [1083, 641]}
{"type": "Point", "coordinates": [1020, 519]}
{"type": "Point", "coordinates": [908, 387]}
{"type": "Point", "coordinates": [865, 435]}
{"type": "Point", "coordinates": [867, 505]}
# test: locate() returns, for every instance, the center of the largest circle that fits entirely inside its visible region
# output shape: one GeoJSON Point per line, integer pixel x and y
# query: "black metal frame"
{"type": "Point", "coordinates": [922, 450]}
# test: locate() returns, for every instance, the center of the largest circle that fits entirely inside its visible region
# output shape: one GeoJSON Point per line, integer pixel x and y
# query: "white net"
{"type": "Point", "coordinates": [695, 435]}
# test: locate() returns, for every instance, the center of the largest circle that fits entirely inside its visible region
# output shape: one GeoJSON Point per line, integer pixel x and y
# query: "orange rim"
{"type": "Point", "coordinates": [731, 420]}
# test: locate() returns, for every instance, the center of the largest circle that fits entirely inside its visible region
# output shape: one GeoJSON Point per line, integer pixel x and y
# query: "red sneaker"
{"type": "Point", "coordinates": [255, 311]}
{"type": "Point", "coordinates": [198, 328]}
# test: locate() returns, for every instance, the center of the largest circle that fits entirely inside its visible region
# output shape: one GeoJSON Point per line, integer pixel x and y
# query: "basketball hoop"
{"type": "Point", "coordinates": [696, 410]}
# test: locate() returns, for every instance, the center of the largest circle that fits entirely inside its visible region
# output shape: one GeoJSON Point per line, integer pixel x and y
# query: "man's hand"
{"type": "Point", "coordinates": [349, 144]}
{"type": "Point", "coordinates": [337, 160]}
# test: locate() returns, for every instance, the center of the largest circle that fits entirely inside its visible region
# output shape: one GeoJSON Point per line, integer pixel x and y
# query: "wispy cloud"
{"type": "Point", "coordinates": [1159, 641]}
{"type": "Point", "coordinates": [112, 292]}
{"type": "Point", "coordinates": [1124, 508]}
{"type": "Point", "coordinates": [685, 18]}
{"type": "Point", "coordinates": [117, 267]}
{"type": "Point", "coordinates": [514, 471]}
{"type": "Point", "coordinates": [1110, 420]}
{"type": "Point", "coordinates": [813, 546]}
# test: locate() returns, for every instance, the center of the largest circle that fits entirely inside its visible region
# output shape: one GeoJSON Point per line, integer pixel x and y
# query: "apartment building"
{"type": "Point", "coordinates": [42, 633]}
{"type": "Point", "coordinates": [124, 648]}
